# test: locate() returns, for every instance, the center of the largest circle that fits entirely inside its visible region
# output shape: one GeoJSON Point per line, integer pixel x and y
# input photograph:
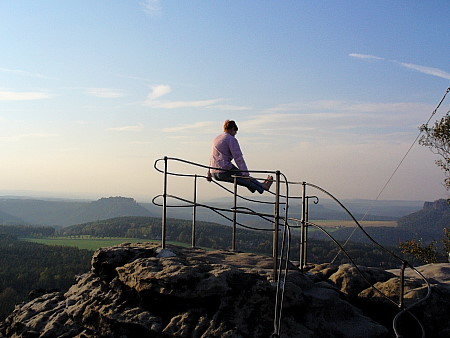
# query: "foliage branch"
{"type": "Point", "coordinates": [437, 138]}
{"type": "Point", "coordinates": [427, 253]}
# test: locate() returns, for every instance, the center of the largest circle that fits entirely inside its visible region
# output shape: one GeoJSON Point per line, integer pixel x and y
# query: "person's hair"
{"type": "Point", "coordinates": [229, 125]}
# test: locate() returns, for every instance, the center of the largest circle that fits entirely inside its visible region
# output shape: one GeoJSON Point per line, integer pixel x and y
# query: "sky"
{"type": "Point", "coordinates": [328, 92]}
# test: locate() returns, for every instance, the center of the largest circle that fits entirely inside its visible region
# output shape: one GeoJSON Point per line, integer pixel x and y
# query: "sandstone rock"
{"type": "Point", "coordinates": [434, 272]}
{"type": "Point", "coordinates": [350, 281]}
{"type": "Point", "coordinates": [322, 271]}
{"type": "Point", "coordinates": [382, 307]}
{"type": "Point", "coordinates": [433, 312]}
{"type": "Point", "coordinates": [136, 290]}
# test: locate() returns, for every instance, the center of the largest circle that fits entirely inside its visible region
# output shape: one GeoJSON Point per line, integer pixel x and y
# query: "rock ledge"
{"type": "Point", "coordinates": [136, 290]}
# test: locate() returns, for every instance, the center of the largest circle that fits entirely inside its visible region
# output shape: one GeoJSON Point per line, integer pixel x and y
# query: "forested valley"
{"type": "Point", "coordinates": [27, 266]}
{"type": "Point", "coordinates": [217, 236]}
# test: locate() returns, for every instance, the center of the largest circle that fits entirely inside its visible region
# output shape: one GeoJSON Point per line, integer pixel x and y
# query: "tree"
{"type": "Point", "coordinates": [428, 253]}
{"type": "Point", "coordinates": [446, 243]}
{"type": "Point", "coordinates": [437, 138]}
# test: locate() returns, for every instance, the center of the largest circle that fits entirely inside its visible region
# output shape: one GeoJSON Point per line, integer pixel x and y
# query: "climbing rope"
{"type": "Point", "coordinates": [395, 171]}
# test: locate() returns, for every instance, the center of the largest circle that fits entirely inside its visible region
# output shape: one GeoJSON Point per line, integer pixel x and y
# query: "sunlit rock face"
{"type": "Point", "coordinates": [432, 313]}
{"type": "Point", "coordinates": [139, 290]}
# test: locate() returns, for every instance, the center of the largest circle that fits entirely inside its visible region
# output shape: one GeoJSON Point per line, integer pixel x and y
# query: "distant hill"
{"type": "Point", "coordinates": [64, 213]}
{"type": "Point", "coordinates": [429, 222]}
{"type": "Point", "coordinates": [105, 208]}
{"type": "Point", "coordinates": [26, 231]}
{"type": "Point", "coordinates": [6, 218]}
{"type": "Point", "coordinates": [384, 208]}
{"type": "Point", "coordinates": [117, 227]}
{"type": "Point", "coordinates": [217, 236]}
{"type": "Point", "coordinates": [426, 224]}
{"type": "Point", "coordinates": [326, 209]}
{"type": "Point", "coordinates": [69, 212]}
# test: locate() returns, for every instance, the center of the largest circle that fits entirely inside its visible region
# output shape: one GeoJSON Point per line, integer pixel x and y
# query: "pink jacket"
{"type": "Point", "coordinates": [225, 148]}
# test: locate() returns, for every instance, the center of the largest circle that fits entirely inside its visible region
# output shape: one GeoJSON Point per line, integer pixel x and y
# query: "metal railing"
{"type": "Point", "coordinates": [280, 255]}
{"type": "Point", "coordinates": [277, 219]}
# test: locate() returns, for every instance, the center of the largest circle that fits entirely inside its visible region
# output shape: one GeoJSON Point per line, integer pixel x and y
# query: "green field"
{"type": "Point", "coordinates": [86, 242]}
{"type": "Point", "coordinates": [364, 224]}
{"type": "Point", "coordinates": [94, 243]}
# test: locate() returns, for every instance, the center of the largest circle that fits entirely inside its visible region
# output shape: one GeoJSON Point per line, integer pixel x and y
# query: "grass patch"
{"type": "Point", "coordinates": [343, 224]}
{"type": "Point", "coordinates": [94, 243]}
{"type": "Point", "coordinates": [89, 243]}
{"type": "Point", "coordinates": [334, 225]}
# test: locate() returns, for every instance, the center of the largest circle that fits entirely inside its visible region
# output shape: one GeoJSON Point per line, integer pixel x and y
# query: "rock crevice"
{"type": "Point", "coordinates": [136, 290]}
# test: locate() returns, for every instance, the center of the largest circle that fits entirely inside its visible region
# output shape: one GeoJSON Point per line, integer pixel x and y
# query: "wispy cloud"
{"type": "Point", "coordinates": [344, 106]}
{"type": "Point", "coordinates": [27, 136]}
{"type": "Point", "coordinates": [326, 128]}
{"type": "Point", "coordinates": [108, 93]}
{"type": "Point", "coordinates": [188, 127]}
{"type": "Point", "coordinates": [26, 73]}
{"type": "Point", "coordinates": [182, 104]}
{"type": "Point", "coordinates": [82, 122]}
{"type": "Point", "coordinates": [342, 119]}
{"type": "Point", "coordinates": [133, 128]}
{"type": "Point", "coordinates": [365, 56]}
{"type": "Point", "coordinates": [422, 69]}
{"type": "Point", "coordinates": [158, 91]}
{"type": "Point", "coordinates": [152, 7]}
{"type": "Point", "coordinates": [38, 135]}
{"type": "Point", "coordinates": [141, 142]}
{"type": "Point", "coordinates": [229, 107]}
{"type": "Point", "coordinates": [23, 96]}
{"type": "Point", "coordinates": [388, 107]}
{"type": "Point", "coordinates": [427, 70]}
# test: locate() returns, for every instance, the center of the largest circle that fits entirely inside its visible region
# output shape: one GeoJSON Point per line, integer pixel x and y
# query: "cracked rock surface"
{"type": "Point", "coordinates": [139, 290]}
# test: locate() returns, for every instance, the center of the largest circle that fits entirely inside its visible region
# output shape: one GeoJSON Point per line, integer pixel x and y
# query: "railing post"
{"type": "Point", "coordinates": [164, 211]}
{"type": "Point", "coordinates": [402, 285]}
{"type": "Point", "coordinates": [194, 212]}
{"type": "Point", "coordinates": [305, 253]}
{"type": "Point", "coordinates": [275, 226]}
{"type": "Point", "coordinates": [233, 238]}
{"type": "Point", "coordinates": [302, 228]}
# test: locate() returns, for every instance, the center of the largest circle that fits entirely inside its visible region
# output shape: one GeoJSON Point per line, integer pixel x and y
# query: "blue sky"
{"type": "Point", "coordinates": [328, 92]}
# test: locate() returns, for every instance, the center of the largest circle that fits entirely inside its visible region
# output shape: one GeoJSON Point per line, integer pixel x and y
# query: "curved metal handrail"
{"type": "Point", "coordinates": [356, 221]}
{"type": "Point", "coordinates": [404, 262]}
{"type": "Point", "coordinates": [201, 166]}
{"type": "Point", "coordinates": [409, 308]}
{"type": "Point", "coordinates": [215, 168]}
{"type": "Point", "coordinates": [287, 235]}
{"type": "Point", "coordinates": [215, 209]}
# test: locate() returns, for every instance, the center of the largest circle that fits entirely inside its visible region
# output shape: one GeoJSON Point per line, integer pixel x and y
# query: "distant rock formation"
{"type": "Point", "coordinates": [429, 222]}
{"type": "Point", "coordinates": [140, 290]}
{"type": "Point", "coordinates": [441, 205]}
{"type": "Point", "coordinates": [67, 212]}
{"type": "Point", "coordinates": [426, 224]}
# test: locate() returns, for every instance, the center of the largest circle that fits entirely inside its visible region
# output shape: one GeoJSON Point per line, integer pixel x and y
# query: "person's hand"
{"type": "Point", "coordinates": [209, 177]}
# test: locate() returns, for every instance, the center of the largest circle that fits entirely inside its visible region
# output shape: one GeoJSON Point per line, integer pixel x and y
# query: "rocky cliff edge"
{"type": "Point", "coordinates": [140, 290]}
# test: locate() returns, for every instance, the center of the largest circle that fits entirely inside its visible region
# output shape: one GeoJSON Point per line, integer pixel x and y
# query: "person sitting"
{"type": "Point", "coordinates": [225, 148]}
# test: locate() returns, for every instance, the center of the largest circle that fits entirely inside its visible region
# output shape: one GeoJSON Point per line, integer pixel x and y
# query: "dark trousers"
{"type": "Point", "coordinates": [251, 184]}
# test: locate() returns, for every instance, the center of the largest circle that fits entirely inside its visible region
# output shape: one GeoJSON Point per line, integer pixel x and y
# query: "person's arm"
{"type": "Point", "coordinates": [238, 156]}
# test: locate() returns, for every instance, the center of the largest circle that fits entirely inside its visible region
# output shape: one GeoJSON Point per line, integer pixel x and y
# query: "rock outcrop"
{"type": "Point", "coordinates": [139, 290]}
{"type": "Point", "coordinates": [432, 313]}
